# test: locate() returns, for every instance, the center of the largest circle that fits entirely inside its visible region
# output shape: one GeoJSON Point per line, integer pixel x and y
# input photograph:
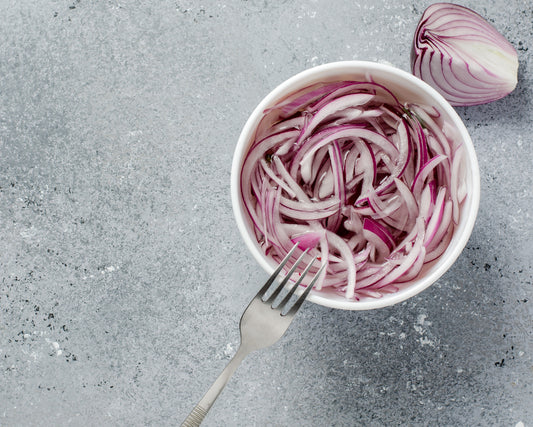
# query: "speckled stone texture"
{"type": "Point", "coordinates": [122, 273]}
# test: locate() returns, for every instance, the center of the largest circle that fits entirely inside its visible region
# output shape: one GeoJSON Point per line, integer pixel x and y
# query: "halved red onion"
{"type": "Point", "coordinates": [461, 55]}
{"type": "Point", "coordinates": [369, 194]}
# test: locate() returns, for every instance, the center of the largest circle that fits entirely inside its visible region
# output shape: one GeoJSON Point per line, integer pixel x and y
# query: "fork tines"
{"type": "Point", "coordinates": [278, 290]}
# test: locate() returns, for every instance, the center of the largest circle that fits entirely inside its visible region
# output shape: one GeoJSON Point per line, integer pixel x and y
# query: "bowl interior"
{"type": "Point", "coordinates": [407, 88]}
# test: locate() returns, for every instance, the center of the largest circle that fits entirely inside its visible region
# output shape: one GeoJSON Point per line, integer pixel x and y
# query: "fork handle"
{"type": "Point", "coordinates": [199, 412]}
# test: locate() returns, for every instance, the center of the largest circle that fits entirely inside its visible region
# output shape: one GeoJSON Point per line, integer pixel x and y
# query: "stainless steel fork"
{"type": "Point", "coordinates": [261, 325]}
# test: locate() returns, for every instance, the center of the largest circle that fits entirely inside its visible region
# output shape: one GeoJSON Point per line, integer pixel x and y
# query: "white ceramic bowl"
{"type": "Point", "coordinates": [407, 88]}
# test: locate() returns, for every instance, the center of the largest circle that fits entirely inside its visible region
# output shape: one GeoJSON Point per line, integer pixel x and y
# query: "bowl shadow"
{"type": "Point", "coordinates": [436, 358]}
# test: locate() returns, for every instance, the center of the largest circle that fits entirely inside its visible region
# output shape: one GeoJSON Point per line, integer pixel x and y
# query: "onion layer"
{"type": "Point", "coordinates": [361, 180]}
{"type": "Point", "coordinates": [457, 52]}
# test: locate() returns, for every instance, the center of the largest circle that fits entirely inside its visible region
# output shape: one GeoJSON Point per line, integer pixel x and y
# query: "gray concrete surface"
{"type": "Point", "coordinates": [123, 276]}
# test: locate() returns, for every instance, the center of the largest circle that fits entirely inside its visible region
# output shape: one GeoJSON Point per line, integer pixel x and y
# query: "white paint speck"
{"type": "Point", "coordinates": [420, 326]}
{"type": "Point", "coordinates": [28, 233]}
{"type": "Point", "coordinates": [228, 351]}
{"type": "Point", "coordinates": [55, 346]}
{"type": "Point", "coordinates": [421, 320]}
{"type": "Point", "coordinates": [520, 424]}
{"type": "Point", "coordinates": [426, 341]}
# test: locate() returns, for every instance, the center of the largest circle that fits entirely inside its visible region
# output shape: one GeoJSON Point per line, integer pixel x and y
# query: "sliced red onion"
{"type": "Point", "coordinates": [390, 210]}
{"type": "Point", "coordinates": [408, 260]}
{"type": "Point", "coordinates": [374, 195]}
{"type": "Point", "coordinates": [307, 240]}
{"type": "Point", "coordinates": [460, 152]}
{"type": "Point", "coordinates": [424, 172]}
{"type": "Point", "coordinates": [378, 235]}
{"type": "Point", "coordinates": [443, 227]}
{"type": "Point", "coordinates": [462, 56]}
{"type": "Point", "coordinates": [415, 268]}
{"type": "Point", "coordinates": [436, 217]}
{"type": "Point", "coordinates": [409, 200]}
{"type": "Point", "coordinates": [438, 250]}
{"type": "Point", "coordinates": [306, 96]}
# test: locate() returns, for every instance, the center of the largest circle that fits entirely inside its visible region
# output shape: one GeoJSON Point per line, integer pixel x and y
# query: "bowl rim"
{"type": "Point", "coordinates": [306, 77]}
